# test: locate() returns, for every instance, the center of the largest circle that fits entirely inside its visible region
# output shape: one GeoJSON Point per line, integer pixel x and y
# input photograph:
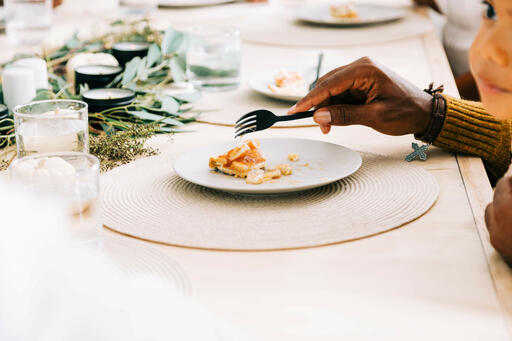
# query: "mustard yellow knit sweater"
{"type": "Point", "coordinates": [470, 130]}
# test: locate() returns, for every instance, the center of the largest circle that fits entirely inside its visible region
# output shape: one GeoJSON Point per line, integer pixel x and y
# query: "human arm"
{"type": "Point", "coordinates": [366, 93]}
{"type": "Point", "coordinates": [498, 217]}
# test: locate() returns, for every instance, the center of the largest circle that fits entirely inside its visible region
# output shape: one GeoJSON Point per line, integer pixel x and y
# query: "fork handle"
{"type": "Point", "coordinates": [296, 116]}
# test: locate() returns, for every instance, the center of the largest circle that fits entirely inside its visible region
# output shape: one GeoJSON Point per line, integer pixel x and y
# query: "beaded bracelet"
{"type": "Point", "coordinates": [435, 126]}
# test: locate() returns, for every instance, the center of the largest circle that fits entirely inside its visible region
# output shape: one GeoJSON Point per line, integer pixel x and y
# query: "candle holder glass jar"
{"type": "Point", "coordinates": [51, 126]}
{"type": "Point", "coordinates": [28, 22]}
{"type": "Point", "coordinates": [213, 57]}
{"type": "Point", "coordinates": [70, 177]}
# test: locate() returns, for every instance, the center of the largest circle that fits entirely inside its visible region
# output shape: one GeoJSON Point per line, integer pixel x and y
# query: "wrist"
{"type": "Point", "coordinates": [437, 116]}
{"type": "Point", "coordinates": [424, 114]}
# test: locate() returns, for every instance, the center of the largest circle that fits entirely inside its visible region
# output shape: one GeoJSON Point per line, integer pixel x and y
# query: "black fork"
{"type": "Point", "coordinates": [263, 119]}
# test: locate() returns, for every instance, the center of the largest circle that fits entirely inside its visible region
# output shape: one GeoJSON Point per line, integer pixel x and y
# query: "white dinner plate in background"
{"type": "Point", "coordinates": [320, 163]}
{"type": "Point", "coordinates": [368, 15]}
{"type": "Point", "coordinates": [261, 82]}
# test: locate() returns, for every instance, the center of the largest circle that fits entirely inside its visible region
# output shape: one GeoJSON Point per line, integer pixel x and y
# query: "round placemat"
{"type": "Point", "coordinates": [138, 258]}
{"type": "Point", "coordinates": [145, 199]}
{"type": "Point", "coordinates": [284, 29]}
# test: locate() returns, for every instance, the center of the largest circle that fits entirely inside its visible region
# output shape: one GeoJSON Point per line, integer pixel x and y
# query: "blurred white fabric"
{"type": "Point", "coordinates": [463, 18]}
{"type": "Point", "coordinates": [52, 289]}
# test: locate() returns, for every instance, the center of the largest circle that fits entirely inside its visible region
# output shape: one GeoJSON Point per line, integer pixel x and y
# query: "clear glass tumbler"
{"type": "Point", "coordinates": [213, 57]}
{"type": "Point", "coordinates": [72, 178]}
{"type": "Point", "coordinates": [51, 126]}
{"type": "Point", "coordinates": [28, 22]}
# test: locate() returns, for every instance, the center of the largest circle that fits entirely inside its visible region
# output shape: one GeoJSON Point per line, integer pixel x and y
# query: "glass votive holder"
{"type": "Point", "coordinates": [51, 126]}
{"type": "Point", "coordinates": [70, 177]}
{"type": "Point", "coordinates": [28, 22]}
{"type": "Point", "coordinates": [213, 57]}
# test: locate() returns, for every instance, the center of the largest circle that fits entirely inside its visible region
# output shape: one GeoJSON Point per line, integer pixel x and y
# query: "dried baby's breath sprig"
{"type": "Point", "coordinates": [4, 165]}
{"type": "Point", "coordinates": [122, 147]}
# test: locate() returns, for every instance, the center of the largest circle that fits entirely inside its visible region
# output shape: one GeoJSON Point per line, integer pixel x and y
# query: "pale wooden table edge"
{"type": "Point", "coordinates": [478, 188]}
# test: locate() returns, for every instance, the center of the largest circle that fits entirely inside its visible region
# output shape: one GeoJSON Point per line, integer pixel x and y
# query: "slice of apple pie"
{"type": "Point", "coordinates": [240, 160]}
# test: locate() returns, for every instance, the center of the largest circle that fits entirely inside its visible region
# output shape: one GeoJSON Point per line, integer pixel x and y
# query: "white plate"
{"type": "Point", "coordinates": [368, 15]}
{"type": "Point", "coordinates": [260, 85]}
{"type": "Point", "coordinates": [327, 163]}
{"type": "Point", "coordinates": [191, 3]}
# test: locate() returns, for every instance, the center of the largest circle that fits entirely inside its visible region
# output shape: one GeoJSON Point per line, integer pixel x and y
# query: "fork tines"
{"type": "Point", "coordinates": [247, 124]}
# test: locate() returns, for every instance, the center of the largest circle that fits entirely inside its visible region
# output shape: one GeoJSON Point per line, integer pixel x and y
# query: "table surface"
{"type": "Point", "coordinates": [434, 278]}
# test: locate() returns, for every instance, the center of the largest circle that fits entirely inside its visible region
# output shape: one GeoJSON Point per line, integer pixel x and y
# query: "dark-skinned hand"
{"type": "Point", "coordinates": [498, 217]}
{"type": "Point", "coordinates": [366, 93]}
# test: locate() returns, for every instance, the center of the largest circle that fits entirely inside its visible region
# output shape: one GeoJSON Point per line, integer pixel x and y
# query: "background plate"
{"type": "Point", "coordinates": [368, 15]}
{"type": "Point", "coordinates": [260, 85]}
{"type": "Point", "coordinates": [320, 163]}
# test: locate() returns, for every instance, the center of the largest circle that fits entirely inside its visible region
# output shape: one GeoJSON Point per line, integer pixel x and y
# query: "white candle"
{"type": "Point", "coordinates": [18, 85]}
{"type": "Point", "coordinates": [45, 167]}
{"type": "Point", "coordinates": [38, 67]}
{"type": "Point", "coordinates": [54, 132]}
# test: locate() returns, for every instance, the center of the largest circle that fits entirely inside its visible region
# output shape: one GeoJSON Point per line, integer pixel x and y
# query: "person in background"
{"type": "Point", "coordinates": [463, 19]}
{"type": "Point", "coordinates": [366, 93]}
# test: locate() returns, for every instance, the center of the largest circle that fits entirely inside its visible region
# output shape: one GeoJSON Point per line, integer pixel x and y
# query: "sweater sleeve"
{"type": "Point", "coordinates": [468, 129]}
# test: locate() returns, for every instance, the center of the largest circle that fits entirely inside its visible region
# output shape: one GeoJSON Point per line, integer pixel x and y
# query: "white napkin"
{"type": "Point", "coordinates": [55, 290]}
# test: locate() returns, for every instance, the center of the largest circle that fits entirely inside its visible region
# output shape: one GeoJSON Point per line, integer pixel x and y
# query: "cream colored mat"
{"type": "Point", "coordinates": [140, 259]}
{"type": "Point", "coordinates": [283, 29]}
{"type": "Point", "coordinates": [147, 200]}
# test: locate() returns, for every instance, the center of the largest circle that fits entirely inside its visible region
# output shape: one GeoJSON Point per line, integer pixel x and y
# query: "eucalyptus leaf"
{"type": "Point", "coordinates": [108, 129]}
{"type": "Point", "coordinates": [130, 71]}
{"type": "Point", "coordinates": [98, 46]}
{"type": "Point", "coordinates": [131, 86]}
{"type": "Point", "coordinates": [172, 41]}
{"type": "Point", "coordinates": [73, 42]}
{"type": "Point", "coordinates": [188, 97]}
{"type": "Point", "coordinates": [169, 104]}
{"type": "Point", "coordinates": [42, 94]}
{"type": "Point", "coordinates": [177, 70]}
{"type": "Point", "coordinates": [142, 72]}
{"type": "Point", "coordinates": [154, 55]}
{"type": "Point", "coordinates": [57, 82]}
{"type": "Point", "coordinates": [83, 88]}
{"type": "Point", "coordinates": [144, 115]}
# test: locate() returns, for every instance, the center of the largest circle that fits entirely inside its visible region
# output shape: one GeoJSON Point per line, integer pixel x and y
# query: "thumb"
{"type": "Point", "coordinates": [344, 115]}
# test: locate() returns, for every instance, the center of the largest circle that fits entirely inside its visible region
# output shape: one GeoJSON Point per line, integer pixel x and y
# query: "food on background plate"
{"type": "Point", "coordinates": [288, 83]}
{"type": "Point", "coordinates": [344, 11]}
{"type": "Point", "coordinates": [247, 161]}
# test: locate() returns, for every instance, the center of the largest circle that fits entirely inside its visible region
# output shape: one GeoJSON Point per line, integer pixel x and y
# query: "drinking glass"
{"type": "Point", "coordinates": [213, 57]}
{"type": "Point", "coordinates": [51, 126]}
{"type": "Point", "coordinates": [28, 22]}
{"type": "Point", "coordinates": [70, 177]}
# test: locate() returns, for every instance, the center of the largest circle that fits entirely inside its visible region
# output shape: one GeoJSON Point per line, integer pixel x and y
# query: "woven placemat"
{"type": "Point", "coordinates": [139, 259]}
{"type": "Point", "coordinates": [283, 29]}
{"type": "Point", "coordinates": [145, 199]}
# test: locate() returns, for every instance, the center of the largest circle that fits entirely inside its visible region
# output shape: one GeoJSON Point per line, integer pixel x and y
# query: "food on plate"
{"type": "Point", "coordinates": [289, 83]}
{"type": "Point", "coordinates": [293, 157]}
{"type": "Point", "coordinates": [247, 161]}
{"type": "Point", "coordinates": [284, 169]}
{"type": "Point", "coordinates": [240, 160]}
{"type": "Point", "coordinates": [344, 11]}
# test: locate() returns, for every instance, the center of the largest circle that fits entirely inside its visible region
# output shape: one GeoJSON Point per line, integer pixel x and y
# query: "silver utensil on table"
{"type": "Point", "coordinates": [318, 70]}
